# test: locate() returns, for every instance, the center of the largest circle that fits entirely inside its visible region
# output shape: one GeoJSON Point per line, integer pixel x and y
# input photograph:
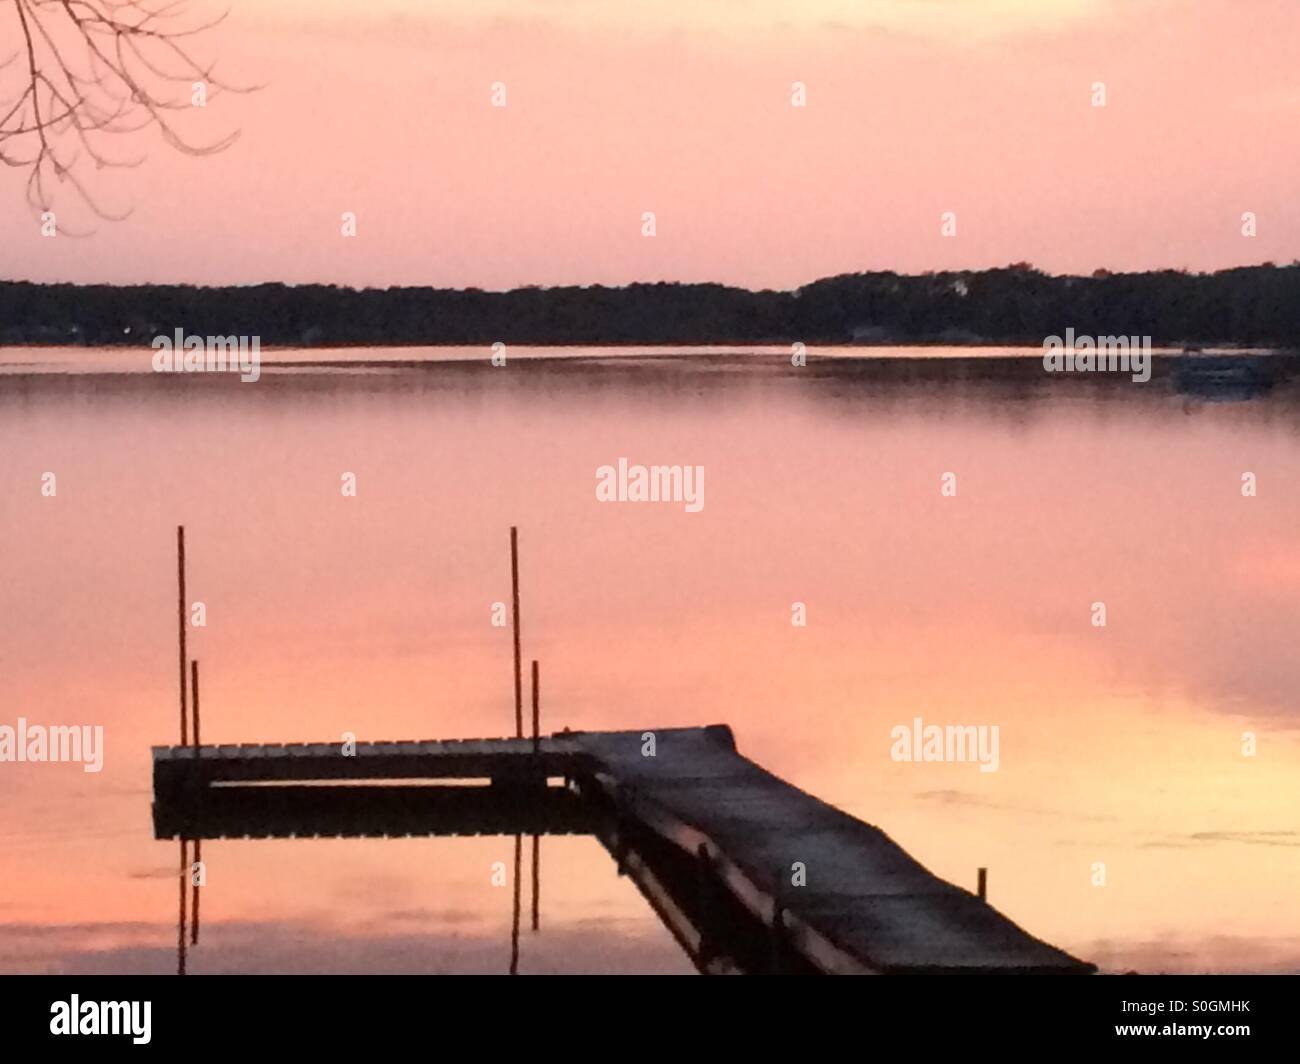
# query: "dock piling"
{"type": "Point", "coordinates": [537, 717]}
{"type": "Point", "coordinates": [514, 600]}
{"type": "Point", "coordinates": [194, 689]}
{"type": "Point", "coordinates": [180, 615]}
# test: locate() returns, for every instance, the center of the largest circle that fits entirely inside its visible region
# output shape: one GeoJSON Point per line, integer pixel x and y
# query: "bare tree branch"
{"type": "Point", "coordinates": [84, 72]}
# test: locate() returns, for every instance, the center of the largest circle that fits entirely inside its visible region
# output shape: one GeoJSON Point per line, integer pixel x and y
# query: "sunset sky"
{"type": "Point", "coordinates": [914, 108]}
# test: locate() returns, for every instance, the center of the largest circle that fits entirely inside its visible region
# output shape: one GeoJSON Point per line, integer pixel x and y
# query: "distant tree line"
{"type": "Point", "coordinates": [1014, 304]}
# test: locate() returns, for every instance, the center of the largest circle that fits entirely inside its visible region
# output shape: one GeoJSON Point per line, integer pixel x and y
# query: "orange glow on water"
{"type": "Point", "coordinates": [1120, 746]}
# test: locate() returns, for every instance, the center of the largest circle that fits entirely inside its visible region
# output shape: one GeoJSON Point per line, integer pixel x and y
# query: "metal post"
{"type": "Point", "coordinates": [514, 598]}
{"type": "Point", "coordinates": [194, 695]}
{"type": "Point", "coordinates": [180, 613]}
{"type": "Point", "coordinates": [537, 716]}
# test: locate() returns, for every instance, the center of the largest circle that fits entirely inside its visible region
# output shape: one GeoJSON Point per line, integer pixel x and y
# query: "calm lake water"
{"type": "Point", "coordinates": [1119, 745]}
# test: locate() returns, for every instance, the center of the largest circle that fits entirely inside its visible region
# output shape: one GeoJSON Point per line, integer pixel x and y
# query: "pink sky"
{"type": "Point", "coordinates": [981, 107]}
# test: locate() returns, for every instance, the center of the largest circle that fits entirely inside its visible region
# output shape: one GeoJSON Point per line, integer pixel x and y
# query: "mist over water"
{"type": "Point", "coordinates": [329, 614]}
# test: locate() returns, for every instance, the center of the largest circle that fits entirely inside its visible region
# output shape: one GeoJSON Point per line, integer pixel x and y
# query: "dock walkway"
{"type": "Point", "coordinates": [863, 905]}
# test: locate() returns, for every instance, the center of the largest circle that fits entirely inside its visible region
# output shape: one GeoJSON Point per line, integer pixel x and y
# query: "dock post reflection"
{"type": "Point", "coordinates": [514, 925]}
{"type": "Point", "coordinates": [180, 632]}
{"type": "Point", "coordinates": [180, 920]}
{"type": "Point", "coordinates": [198, 843]}
{"type": "Point", "coordinates": [537, 839]}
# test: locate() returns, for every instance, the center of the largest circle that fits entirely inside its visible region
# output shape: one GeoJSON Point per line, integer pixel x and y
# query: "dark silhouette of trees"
{"type": "Point", "coordinates": [1014, 304]}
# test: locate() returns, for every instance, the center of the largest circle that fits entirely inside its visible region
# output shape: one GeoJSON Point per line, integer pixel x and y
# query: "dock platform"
{"type": "Point", "coordinates": [714, 841]}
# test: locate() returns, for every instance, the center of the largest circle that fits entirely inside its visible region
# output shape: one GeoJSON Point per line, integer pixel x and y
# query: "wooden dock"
{"type": "Point", "coordinates": [711, 839]}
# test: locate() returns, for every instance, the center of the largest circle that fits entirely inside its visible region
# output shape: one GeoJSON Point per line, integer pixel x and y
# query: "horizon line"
{"type": "Point", "coordinates": [1099, 273]}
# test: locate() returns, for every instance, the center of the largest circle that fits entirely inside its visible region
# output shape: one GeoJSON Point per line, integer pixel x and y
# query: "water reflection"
{"type": "Point", "coordinates": [372, 616]}
{"type": "Point", "coordinates": [311, 806]}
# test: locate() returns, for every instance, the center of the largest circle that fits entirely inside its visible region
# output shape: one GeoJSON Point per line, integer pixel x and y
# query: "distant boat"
{"type": "Point", "coordinates": [1222, 378]}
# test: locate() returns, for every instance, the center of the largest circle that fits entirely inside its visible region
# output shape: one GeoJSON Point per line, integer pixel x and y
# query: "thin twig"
{"type": "Point", "coordinates": [96, 72]}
